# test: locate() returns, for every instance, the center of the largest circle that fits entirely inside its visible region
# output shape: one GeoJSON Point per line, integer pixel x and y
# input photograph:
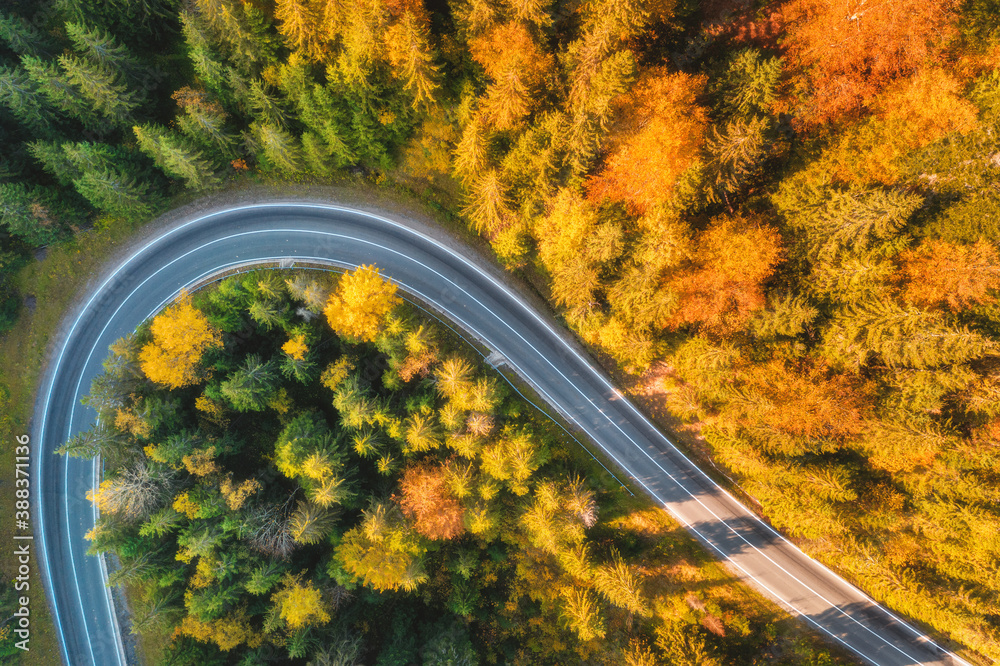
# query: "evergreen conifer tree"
{"type": "Point", "coordinates": [278, 148]}
{"type": "Point", "coordinates": [22, 37]}
{"type": "Point", "coordinates": [54, 160]}
{"type": "Point", "coordinates": [104, 88]}
{"type": "Point", "coordinates": [900, 337]}
{"type": "Point", "coordinates": [20, 94]}
{"type": "Point", "coordinates": [115, 192]}
{"type": "Point", "coordinates": [61, 93]}
{"type": "Point", "coordinates": [101, 49]}
{"type": "Point", "coordinates": [854, 219]}
{"type": "Point", "coordinates": [176, 157]}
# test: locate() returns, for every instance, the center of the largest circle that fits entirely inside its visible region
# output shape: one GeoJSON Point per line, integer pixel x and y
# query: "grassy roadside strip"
{"type": "Point", "coordinates": [66, 270]}
{"type": "Point", "coordinates": [53, 283]}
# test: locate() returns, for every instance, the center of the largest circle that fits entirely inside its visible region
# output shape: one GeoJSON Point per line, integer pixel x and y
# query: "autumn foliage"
{"type": "Point", "coordinates": [296, 347]}
{"type": "Point", "coordinates": [660, 128]}
{"type": "Point", "coordinates": [428, 501]}
{"type": "Point", "coordinates": [847, 51]}
{"type": "Point", "coordinates": [724, 284]}
{"type": "Point", "coordinates": [781, 217]}
{"type": "Point", "coordinates": [300, 605]}
{"type": "Point", "coordinates": [938, 273]}
{"type": "Point", "coordinates": [181, 335]}
{"type": "Point", "coordinates": [909, 114]}
{"type": "Point", "coordinates": [360, 303]}
{"type": "Point", "coordinates": [517, 66]}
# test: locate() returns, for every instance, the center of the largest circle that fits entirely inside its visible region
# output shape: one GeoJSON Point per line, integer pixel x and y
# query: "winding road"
{"type": "Point", "coordinates": [475, 297]}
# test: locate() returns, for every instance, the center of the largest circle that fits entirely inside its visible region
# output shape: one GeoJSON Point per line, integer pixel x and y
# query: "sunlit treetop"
{"type": "Point", "coordinates": [360, 304]}
{"type": "Point", "coordinates": [847, 51]}
{"type": "Point", "coordinates": [181, 335]}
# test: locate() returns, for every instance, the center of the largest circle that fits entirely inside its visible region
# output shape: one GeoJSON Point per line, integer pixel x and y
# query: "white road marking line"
{"type": "Point", "coordinates": [528, 310]}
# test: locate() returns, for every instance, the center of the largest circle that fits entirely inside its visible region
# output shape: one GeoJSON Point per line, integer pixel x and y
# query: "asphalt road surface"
{"type": "Point", "coordinates": [471, 295]}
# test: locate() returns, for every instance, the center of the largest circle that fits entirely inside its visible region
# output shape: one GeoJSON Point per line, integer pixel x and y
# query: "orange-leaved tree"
{"type": "Point", "coordinates": [360, 303]}
{"type": "Point", "coordinates": [724, 284]}
{"type": "Point", "coordinates": [517, 66]}
{"type": "Point", "coordinates": [430, 503]}
{"type": "Point", "coordinates": [845, 51]}
{"type": "Point", "coordinates": [940, 273]}
{"type": "Point", "coordinates": [661, 129]}
{"type": "Point", "coordinates": [181, 335]}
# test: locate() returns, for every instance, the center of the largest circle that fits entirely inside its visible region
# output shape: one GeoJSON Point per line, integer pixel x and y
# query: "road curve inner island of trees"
{"type": "Point", "coordinates": [470, 295]}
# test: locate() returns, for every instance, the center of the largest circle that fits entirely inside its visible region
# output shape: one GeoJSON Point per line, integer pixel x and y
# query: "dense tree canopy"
{"type": "Point", "coordinates": [779, 220]}
{"type": "Point", "coordinates": [373, 510]}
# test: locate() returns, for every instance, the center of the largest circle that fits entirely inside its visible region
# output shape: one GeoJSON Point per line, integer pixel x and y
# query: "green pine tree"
{"type": "Point", "coordinates": [748, 86]}
{"type": "Point", "coordinates": [266, 106]}
{"type": "Point", "coordinates": [22, 37]}
{"type": "Point", "coordinates": [317, 154]}
{"type": "Point", "coordinates": [735, 156]}
{"type": "Point", "coordinates": [104, 88]}
{"type": "Point", "coordinates": [245, 31]}
{"type": "Point", "coordinates": [318, 109]}
{"type": "Point", "coordinates": [278, 148]}
{"type": "Point", "coordinates": [55, 160]}
{"type": "Point", "coordinates": [101, 49]}
{"type": "Point", "coordinates": [176, 157]}
{"type": "Point", "coordinates": [786, 315]}
{"type": "Point", "coordinates": [208, 63]}
{"type": "Point", "coordinates": [205, 124]}
{"type": "Point", "coordinates": [61, 93]}
{"type": "Point", "coordinates": [20, 94]}
{"type": "Point", "coordinates": [115, 192]}
{"type": "Point", "coordinates": [835, 220]}
{"type": "Point", "coordinates": [850, 279]}
{"type": "Point", "coordinates": [860, 335]}
{"type": "Point", "coordinates": [251, 387]}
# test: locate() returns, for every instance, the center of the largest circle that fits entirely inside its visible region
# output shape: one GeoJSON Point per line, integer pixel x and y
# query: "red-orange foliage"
{"type": "Point", "coordinates": [939, 273]}
{"type": "Point", "coordinates": [910, 114]}
{"type": "Point", "coordinates": [518, 67]}
{"type": "Point", "coordinates": [188, 96]}
{"type": "Point", "coordinates": [807, 401]}
{"type": "Point", "coordinates": [660, 131]}
{"type": "Point", "coordinates": [741, 22]}
{"type": "Point", "coordinates": [725, 283]}
{"type": "Point", "coordinates": [428, 501]}
{"type": "Point", "coordinates": [846, 51]}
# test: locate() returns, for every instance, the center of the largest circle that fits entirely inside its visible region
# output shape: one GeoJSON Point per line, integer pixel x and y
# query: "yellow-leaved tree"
{"type": "Point", "coordinates": [300, 605]}
{"type": "Point", "coordinates": [360, 303]}
{"type": "Point", "coordinates": [181, 335]}
{"type": "Point", "coordinates": [296, 347]}
{"type": "Point", "coordinates": [383, 551]}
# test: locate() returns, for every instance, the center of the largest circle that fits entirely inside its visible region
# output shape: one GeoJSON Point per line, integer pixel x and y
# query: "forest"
{"type": "Point", "coordinates": [305, 469]}
{"type": "Point", "coordinates": [778, 221]}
